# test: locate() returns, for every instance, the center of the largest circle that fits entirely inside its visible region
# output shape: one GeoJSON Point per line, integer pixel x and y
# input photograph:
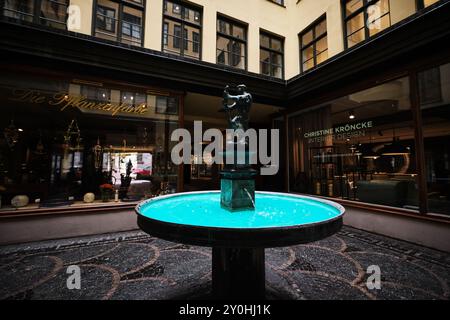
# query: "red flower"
{"type": "Point", "coordinates": [106, 186]}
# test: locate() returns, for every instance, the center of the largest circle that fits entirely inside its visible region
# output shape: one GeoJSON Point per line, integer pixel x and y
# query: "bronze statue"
{"type": "Point", "coordinates": [237, 107]}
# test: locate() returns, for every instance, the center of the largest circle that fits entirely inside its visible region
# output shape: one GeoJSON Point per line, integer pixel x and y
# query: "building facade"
{"type": "Point", "coordinates": [93, 89]}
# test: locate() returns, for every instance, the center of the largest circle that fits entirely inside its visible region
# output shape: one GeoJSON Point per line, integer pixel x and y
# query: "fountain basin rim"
{"type": "Point", "coordinates": [266, 237]}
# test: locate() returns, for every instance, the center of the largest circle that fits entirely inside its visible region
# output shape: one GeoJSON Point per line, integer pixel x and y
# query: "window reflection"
{"type": "Point", "coordinates": [231, 44]}
{"type": "Point", "coordinates": [51, 13]}
{"type": "Point", "coordinates": [181, 30]}
{"type": "Point", "coordinates": [434, 87]}
{"type": "Point", "coordinates": [314, 45]}
{"type": "Point", "coordinates": [119, 22]}
{"type": "Point", "coordinates": [62, 140]}
{"type": "Point", "coordinates": [358, 147]}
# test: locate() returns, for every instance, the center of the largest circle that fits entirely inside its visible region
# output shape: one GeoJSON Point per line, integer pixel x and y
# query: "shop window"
{"type": "Point", "coordinates": [358, 147]}
{"type": "Point", "coordinates": [271, 55]}
{"type": "Point", "coordinates": [182, 24]}
{"type": "Point", "coordinates": [120, 21]}
{"type": "Point", "coordinates": [434, 90]}
{"type": "Point", "coordinates": [52, 13]}
{"type": "Point", "coordinates": [314, 45]}
{"type": "Point", "coordinates": [364, 18]}
{"type": "Point", "coordinates": [231, 43]}
{"type": "Point", "coordinates": [74, 142]}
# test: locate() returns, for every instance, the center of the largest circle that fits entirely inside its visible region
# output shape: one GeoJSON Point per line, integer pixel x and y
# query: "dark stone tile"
{"type": "Point", "coordinates": [133, 265]}
{"type": "Point", "coordinates": [96, 284]}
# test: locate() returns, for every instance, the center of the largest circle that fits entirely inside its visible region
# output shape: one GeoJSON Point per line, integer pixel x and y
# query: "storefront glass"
{"type": "Point", "coordinates": [358, 147]}
{"type": "Point", "coordinates": [434, 88]}
{"type": "Point", "coordinates": [67, 142]}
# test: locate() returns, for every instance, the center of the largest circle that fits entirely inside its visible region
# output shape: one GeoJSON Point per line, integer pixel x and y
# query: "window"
{"type": "Point", "coordinates": [271, 55]}
{"type": "Point", "coordinates": [313, 45]}
{"type": "Point", "coordinates": [166, 34]}
{"type": "Point", "coordinates": [434, 85]}
{"type": "Point", "coordinates": [50, 13]}
{"type": "Point", "coordinates": [185, 39]}
{"type": "Point", "coordinates": [231, 43]}
{"type": "Point", "coordinates": [119, 136]}
{"type": "Point", "coordinates": [196, 39]}
{"type": "Point", "coordinates": [364, 18]}
{"type": "Point", "coordinates": [176, 36]}
{"type": "Point", "coordinates": [120, 21]}
{"type": "Point", "coordinates": [182, 24]}
{"type": "Point", "coordinates": [105, 19]}
{"type": "Point", "coordinates": [131, 26]}
{"type": "Point", "coordinates": [421, 4]}
{"type": "Point", "coordinates": [280, 2]}
{"type": "Point", "coordinates": [359, 147]}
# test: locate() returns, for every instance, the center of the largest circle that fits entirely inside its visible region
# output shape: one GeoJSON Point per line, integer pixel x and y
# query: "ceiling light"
{"type": "Point", "coordinates": [351, 115]}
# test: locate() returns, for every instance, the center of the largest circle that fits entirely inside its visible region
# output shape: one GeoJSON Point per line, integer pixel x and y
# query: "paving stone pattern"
{"type": "Point", "coordinates": [133, 265]}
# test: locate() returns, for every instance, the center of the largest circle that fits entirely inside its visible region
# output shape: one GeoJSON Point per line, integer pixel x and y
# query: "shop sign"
{"type": "Point", "coordinates": [343, 132]}
{"type": "Point", "coordinates": [65, 101]}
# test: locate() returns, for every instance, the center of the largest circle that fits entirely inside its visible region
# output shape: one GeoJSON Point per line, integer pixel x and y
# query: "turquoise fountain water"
{"type": "Point", "coordinates": [237, 222]}
{"type": "Point", "coordinates": [271, 210]}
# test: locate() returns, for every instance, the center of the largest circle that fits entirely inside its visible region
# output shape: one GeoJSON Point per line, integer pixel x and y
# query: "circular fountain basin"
{"type": "Point", "coordinates": [279, 219]}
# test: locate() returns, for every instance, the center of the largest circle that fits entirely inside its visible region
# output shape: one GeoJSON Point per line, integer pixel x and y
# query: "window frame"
{"type": "Point", "coordinates": [271, 37]}
{"type": "Point", "coordinates": [365, 5]}
{"type": "Point", "coordinates": [106, 17]}
{"type": "Point", "coordinates": [182, 22]}
{"type": "Point", "coordinates": [420, 4]}
{"type": "Point", "coordinates": [121, 3]}
{"type": "Point", "coordinates": [232, 23]}
{"type": "Point", "coordinates": [36, 17]}
{"type": "Point", "coordinates": [281, 3]}
{"type": "Point", "coordinates": [313, 42]}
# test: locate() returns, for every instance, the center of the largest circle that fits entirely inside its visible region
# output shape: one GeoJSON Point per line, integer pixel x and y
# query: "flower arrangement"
{"type": "Point", "coordinates": [106, 191]}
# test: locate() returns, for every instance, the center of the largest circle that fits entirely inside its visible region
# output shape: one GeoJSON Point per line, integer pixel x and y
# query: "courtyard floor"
{"type": "Point", "coordinates": [133, 265]}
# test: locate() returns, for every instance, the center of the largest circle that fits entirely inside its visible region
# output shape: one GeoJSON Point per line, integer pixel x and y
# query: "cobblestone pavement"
{"type": "Point", "coordinates": [133, 265]}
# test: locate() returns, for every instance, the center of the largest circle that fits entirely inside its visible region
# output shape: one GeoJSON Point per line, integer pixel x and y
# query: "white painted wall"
{"type": "Point", "coordinates": [55, 226]}
{"type": "Point", "coordinates": [430, 234]}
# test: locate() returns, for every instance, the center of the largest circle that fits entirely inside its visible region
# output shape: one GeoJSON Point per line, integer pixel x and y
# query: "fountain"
{"type": "Point", "coordinates": [237, 222]}
{"type": "Point", "coordinates": [237, 183]}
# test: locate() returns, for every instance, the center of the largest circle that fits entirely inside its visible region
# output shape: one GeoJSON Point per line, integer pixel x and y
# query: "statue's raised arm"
{"type": "Point", "coordinates": [237, 106]}
{"type": "Point", "coordinates": [227, 98]}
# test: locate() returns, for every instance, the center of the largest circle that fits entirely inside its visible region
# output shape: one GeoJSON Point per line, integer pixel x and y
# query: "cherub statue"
{"type": "Point", "coordinates": [237, 107]}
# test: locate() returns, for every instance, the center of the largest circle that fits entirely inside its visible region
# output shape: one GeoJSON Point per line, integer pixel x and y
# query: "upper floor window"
{"type": "Point", "coordinates": [271, 55]}
{"type": "Point", "coordinates": [280, 2]}
{"type": "Point", "coordinates": [314, 45]}
{"type": "Point", "coordinates": [181, 29]}
{"type": "Point", "coordinates": [364, 18]}
{"type": "Point", "coordinates": [231, 47]}
{"type": "Point", "coordinates": [45, 12]}
{"type": "Point", "coordinates": [120, 20]}
{"type": "Point", "coordinates": [421, 4]}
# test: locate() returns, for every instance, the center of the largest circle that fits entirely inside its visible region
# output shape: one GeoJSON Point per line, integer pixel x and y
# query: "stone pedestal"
{"type": "Point", "coordinates": [238, 189]}
{"type": "Point", "coordinates": [238, 273]}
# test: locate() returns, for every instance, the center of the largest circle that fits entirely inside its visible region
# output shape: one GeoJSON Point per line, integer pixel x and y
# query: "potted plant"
{"type": "Point", "coordinates": [106, 191]}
